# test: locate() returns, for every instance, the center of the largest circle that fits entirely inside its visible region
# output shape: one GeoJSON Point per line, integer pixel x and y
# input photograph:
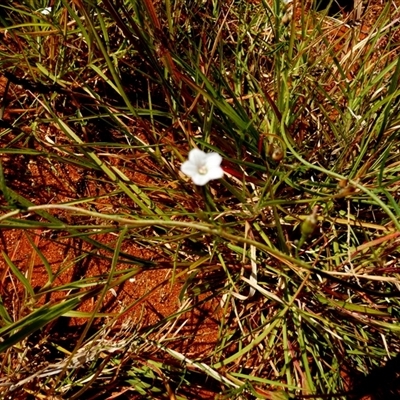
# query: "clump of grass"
{"type": "Point", "coordinates": [296, 247]}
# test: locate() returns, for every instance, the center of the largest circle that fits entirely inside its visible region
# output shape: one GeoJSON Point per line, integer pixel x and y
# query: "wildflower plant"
{"type": "Point", "coordinates": [202, 167]}
{"type": "Point", "coordinates": [280, 282]}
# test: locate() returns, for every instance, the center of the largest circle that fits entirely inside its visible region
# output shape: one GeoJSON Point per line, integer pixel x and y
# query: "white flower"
{"type": "Point", "coordinates": [46, 11]}
{"type": "Point", "coordinates": [202, 167]}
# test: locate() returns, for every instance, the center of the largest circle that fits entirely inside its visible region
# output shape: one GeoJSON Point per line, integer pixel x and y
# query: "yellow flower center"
{"type": "Point", "coordinates": [203, 170]}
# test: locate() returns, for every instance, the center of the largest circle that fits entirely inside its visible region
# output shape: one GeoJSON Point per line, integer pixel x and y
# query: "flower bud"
{"type": "Point", "coordinates": [309, 224]}
{"type": "Point", "coordinates": [277, 154]}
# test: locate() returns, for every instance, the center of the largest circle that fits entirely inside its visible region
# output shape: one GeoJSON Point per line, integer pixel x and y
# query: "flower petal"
{"type": "Point", "coordinates": [189, 169]}
{"type": "Point", "coordinates": [197, 157]}
{"type": "Point", "coordinates": [213, 160]}
{"type": "Point", "coordinates": [45, 11]}
{"type": "Point", "coordinates": [200, 180]}
{"type": "Point", "coordinates": [215, 173]}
